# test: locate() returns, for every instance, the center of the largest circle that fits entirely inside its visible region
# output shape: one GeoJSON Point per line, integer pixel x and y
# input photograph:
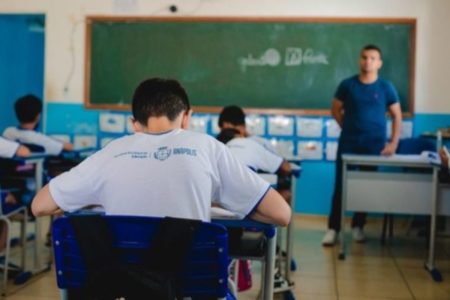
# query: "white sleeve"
{"type": "Point", "coordinates": [241, 189]}
{"type": "Point", "coordinates": [80, 186]}
{"type": "Point", "coordinates": [8, 148]}
{"type": "Point", "coordinates": [267, 161]}
{"type": "Point", "coordinates": [51, 146]}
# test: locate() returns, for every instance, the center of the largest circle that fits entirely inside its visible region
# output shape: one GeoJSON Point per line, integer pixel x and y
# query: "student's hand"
{"type": "Point", "coordinates": [23, 151]}
{"type": "Point", "coordinates": [444, 158]}
{"type": "Point", "coordinates": [68, 147]}
{"type": "Point", "coordinates": [389, 149]}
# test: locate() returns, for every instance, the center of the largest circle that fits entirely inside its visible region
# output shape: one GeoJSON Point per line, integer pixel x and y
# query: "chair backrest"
{"type": "Point", "coordinates": [415, 146]}
{"type": "Point", "coordinates": [204, 273]}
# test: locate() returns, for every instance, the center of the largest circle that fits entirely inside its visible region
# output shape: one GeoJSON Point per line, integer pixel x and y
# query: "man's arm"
{"type": "Point", "coordinates": [337, 111]}
{"type": "Point", "coordinates": [43, 203]}
{"type": "Point", "coordinates": [272, 209]}
{"type": "Point", "coordinates": [396, 115]}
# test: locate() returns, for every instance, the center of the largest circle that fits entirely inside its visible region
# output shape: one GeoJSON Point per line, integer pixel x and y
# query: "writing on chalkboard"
{"type": "Point", "coordinates": [271, 65]}
{"type": "Point", "coordinates": [293, 57]}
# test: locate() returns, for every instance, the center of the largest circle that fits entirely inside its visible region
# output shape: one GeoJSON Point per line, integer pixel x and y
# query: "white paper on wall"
{"type": "Point", "coordinates": [215, 125]}
{"type": "Point", "coordinates": [333, 128]}
{"type": "Point", "coordinates": [406, 130]}
{"type": "Point", "coordinates": [285, 148]}
{"type": "Point", "coordinates": [61, 137]}
{"type": "Point", "coordinates": [281, 125]}
{"type": "Point", "coordinates": [309, 127]}
{"type": "Point", "coordinates": [84, 141]}
{"type": "Point", "coordinates": [129, 123]}
{"type": "Point", "coordinates": [114, 123]}
{"type": "Point", "coordinates": [105, 141]}
{"type": "Point", "coordinates": [310, 150]}
{"type": "Point", "coordinates": [331, 150]}
{"type": "Point", "coordinates": [199, 123]}
{"type": "Point", "coordinates": [256, 125]}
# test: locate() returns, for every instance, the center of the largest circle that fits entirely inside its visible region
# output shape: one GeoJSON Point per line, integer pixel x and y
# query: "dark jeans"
{"type": "Point", "coordinates": [351, 145]}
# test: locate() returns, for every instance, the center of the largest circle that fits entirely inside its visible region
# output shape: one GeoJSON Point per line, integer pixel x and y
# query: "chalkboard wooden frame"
{"type": "Point", "coordinates": [214, 109]}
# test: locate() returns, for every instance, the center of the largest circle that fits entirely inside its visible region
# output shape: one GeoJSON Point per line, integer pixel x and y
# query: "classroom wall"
{"type": "Point", "coordinates": [64, 61]}
{"type": "Point", "coordinates": [64, 67]}
{"type": "Point", "coordinates": [21, 61]}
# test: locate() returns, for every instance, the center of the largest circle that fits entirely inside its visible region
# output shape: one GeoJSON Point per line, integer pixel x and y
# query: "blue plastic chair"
{"type": "Point", "coordinates": [406, 146]}
{"type": "Point", "coordinates": [204, 275]}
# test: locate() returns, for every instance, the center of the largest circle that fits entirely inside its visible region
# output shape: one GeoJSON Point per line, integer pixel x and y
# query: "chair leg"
{"type": "Point", "coordinates": [391, 226]}
{"type": "Point", "coordinates": [383, 230]}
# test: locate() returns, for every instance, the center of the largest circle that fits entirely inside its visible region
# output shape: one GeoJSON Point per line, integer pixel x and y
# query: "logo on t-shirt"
{"type": "Point", "coordinates": [162, 153]}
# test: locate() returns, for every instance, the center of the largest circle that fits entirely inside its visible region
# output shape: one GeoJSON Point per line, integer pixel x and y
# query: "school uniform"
{"type": "Point", "coordinates": [254, 155]}
{"type": "Point", "coordinates": [8, 148]}
{"type": "Point", "coordinates": [28, 136]}
{"type": "Point", "coordinates": [177, 173]}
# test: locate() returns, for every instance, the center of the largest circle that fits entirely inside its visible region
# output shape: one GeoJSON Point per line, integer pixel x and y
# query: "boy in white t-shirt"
{"type": "Point", "coordinates": [163, 170]}
{"type": "Point", "coordinates": [28, 112]}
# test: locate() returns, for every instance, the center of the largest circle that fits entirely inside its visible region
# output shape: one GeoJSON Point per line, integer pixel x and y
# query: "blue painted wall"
{"type": "Point", "coordinates": [21, 61]}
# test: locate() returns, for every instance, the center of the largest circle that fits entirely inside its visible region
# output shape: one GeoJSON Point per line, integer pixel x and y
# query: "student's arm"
{"type": "Point", "coordinates": [272, 209]}
{"type": "Point", "coordinates": [23, 151]}
{"type": "Point", "coordinates": [67, 147]}
{"type": "Point", "coordinates": [337, 111]}
{"type": "Point", "coordinates": [285, 168]}
{"type": "Point", "coordinates": [396, 115]}
{"type": "Point", "coordinates": [43, 203]}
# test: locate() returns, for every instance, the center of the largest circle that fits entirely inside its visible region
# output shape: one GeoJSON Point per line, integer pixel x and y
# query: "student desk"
{"type": "Point", "coordinates": [393, 189]}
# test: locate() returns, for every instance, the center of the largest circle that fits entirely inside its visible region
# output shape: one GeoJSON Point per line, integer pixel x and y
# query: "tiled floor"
{"type": "Point", "coordinates": [370, 271]}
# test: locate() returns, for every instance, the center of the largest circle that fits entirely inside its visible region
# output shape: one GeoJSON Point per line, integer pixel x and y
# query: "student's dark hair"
{"type": "Point", "coordinates": [232, 114]}
{"type": "Point", "coordinates": [27, 108]}
{"type": "Point", "coordinates": [372, 47]}
{"type": "Point", "coordinates": [227, 135]}
{"type": "Point", "coordinates": [158, 97]}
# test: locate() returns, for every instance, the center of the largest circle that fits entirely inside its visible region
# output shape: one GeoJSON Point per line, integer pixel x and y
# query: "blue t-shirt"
{"type": "Point", "coordinates": [365, 106]}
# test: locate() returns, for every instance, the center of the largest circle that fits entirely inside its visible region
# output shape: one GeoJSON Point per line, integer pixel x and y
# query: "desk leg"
{"type": "Point", "coordinates": [429, 265]}
{"type": "Point", "coordinates": [343, 206]}
{"type": "Point", "coordinates": [269, 267]}
{"type": "Point", "coordinates": [289, 233]}
{"type": "Point", "coordinates": [39, 169]}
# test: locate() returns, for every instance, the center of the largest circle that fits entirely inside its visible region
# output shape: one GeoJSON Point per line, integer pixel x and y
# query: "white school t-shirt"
{"type": "Point", "coordinates": [8, 148]}
{"type": "Point", "coordinates": [28, 136]}
{"type": "Point", "coordinates": [175, 174]}
{"type": "Point", "coordinates": [254, 155]}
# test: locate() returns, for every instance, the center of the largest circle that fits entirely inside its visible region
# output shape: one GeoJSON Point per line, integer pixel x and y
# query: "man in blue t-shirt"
{"type": "Point", "coordinates": [359, 107]}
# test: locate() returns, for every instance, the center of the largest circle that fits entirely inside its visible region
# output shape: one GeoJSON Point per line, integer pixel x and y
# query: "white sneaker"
{"type": "Point", "coordinates": [330, 238]}
{"type": "Point", "coordinates": [358, 235]}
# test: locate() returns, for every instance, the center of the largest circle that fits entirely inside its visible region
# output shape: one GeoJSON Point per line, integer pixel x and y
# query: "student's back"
{"type": "Point", "coordinates": [177, 173]}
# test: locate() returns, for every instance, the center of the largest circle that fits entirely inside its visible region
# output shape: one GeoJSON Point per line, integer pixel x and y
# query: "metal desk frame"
{"type": "Point", "coordinates": [394, 161]}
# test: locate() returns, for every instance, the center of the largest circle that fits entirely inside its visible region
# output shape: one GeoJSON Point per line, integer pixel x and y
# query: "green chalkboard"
{"type": "Point", "coordinates": [286, 65]}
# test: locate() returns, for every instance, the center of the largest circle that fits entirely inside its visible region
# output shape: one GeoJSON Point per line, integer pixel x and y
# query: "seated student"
{"type": "Point", "coordinates": [28, 112]}
{"type": "Point", "coordinates": [233, 117]}
{"type": "Point", "coordinates": [163, 170]}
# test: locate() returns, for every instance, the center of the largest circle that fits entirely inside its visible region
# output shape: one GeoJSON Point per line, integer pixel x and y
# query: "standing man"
{"type": "Point", "coordinates": [359, 107]}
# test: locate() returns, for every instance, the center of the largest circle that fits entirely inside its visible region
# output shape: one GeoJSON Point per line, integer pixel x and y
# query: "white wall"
{"type": "Point", "coordinates": [64, 67]}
